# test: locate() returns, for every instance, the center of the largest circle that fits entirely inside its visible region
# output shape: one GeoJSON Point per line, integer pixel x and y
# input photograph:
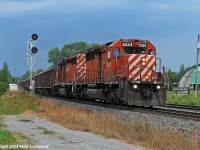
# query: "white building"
{"type": "Point", "coordinates": [13, 87]}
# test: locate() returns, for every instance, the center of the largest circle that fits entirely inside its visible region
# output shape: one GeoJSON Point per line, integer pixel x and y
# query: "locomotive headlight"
{"type": "Point", "coordinates": [158, 87]}
{"type": "Point", "coordinates": [143, 59]}
{"type": "Point", "coordinates": [135, 86]}
{"type": "Point", "coordinates": [143, 63]}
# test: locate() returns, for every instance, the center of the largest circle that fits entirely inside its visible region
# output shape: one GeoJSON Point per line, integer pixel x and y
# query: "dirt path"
{"type": "Point", "coordinates": [44, 134]}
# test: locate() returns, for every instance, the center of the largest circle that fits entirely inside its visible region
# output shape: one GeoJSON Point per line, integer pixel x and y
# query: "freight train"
{"type": "Point", "coordinates": [125, 71]}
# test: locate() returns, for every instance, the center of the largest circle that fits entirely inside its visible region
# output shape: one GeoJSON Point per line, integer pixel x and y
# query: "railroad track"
{"type": "Point", "coordinates": [183, 107]}
{"type": "Point", "coordinates": [189, 115]}
{"type": "Point", "coordinates": [154, 111]}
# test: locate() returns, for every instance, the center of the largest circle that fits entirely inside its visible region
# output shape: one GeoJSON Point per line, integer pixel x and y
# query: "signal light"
{"type": "Point", "coordinates": [34, 36]}
{"type": "Point", "coordinates": [34, 50]}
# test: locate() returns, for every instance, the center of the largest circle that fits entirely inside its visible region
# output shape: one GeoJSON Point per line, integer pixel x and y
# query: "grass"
{"type": "Point", "coordinates": [7, 139]}
{"type": "Point", "coordinates": [13, 103]}
{"type": "Point", "coordinates": [139, 133]}
{"type": "Point", "coordinates": [183, 99]}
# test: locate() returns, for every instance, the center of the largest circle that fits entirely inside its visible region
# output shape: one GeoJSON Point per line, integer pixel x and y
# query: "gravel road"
{"type": "Point", "coordinates": [44, 134]}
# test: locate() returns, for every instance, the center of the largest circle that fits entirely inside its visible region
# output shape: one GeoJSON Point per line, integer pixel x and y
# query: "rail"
{"type": "Point", "coordinates": [158, 111]}
{"type": "Point", "coordinates": [183, 107]}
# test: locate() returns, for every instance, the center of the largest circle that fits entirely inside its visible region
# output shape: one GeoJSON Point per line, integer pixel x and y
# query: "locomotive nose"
{"type": "Point", "coordinates": [141, 67]}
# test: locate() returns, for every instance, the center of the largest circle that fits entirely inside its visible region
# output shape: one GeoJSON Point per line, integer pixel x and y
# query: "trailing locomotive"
{"type": "Point", "coordinates": [122, 72]}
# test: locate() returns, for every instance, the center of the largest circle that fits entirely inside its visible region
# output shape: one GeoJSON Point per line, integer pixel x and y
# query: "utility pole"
{"type": "Point", "coordinates": [31, 50]}
{"type": "Point", "coordinates": [197, 62]}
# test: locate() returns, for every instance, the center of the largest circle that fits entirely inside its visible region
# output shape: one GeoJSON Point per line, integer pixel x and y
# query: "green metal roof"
{"type": "Point", "coordinates": [193, 67]}
{"type": "Point", "coordinates": [193, 79]}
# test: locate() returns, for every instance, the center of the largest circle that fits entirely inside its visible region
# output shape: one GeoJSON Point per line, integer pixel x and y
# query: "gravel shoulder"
{"type": "Point", "coordinates": [44, 134]}
{"type": "Point", "coordinates": [167, 123]}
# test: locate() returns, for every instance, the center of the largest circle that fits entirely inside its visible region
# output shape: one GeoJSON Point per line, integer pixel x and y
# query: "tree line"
{"type": "Point", "coordinates": [5, 78]}
{"type": "Point", "coordinates": [57, 54]}
{"type": "Point", "coordinates": [175, 77]}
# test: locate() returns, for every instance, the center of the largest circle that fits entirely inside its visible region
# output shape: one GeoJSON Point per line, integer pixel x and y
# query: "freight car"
{"type": "Point", "coordinates": [125, 71]}
{"type": "Point", "coordinates": [44, 82]}
{"type": "Point", "coordinates": [25, 84]}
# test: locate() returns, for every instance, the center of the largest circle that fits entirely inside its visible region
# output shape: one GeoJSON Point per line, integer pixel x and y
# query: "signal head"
{"type": "Point", "coordinates": [34, 50]}
{"type": "Point", "coordinates": [34, 36]}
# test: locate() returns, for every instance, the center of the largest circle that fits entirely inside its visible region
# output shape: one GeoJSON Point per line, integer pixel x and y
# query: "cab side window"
{"type": "Point", "coordinates": [116, 52]}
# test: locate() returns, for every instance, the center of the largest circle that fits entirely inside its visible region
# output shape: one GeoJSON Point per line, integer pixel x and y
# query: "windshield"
{"type": "Point", "coordinates": [131, 50]}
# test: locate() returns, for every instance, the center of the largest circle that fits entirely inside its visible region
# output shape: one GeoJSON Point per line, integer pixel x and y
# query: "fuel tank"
{"type": "Point", "coordinates": [61, 91]}
{"type": "Point", "coordinates": [99, 94]}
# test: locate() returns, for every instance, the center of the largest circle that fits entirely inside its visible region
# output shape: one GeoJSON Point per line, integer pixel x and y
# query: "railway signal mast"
{"type": "Point", "coordinates": [31, 50]}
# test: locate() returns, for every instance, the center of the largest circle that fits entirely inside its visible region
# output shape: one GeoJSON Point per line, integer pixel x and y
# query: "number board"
{"type": "Point", "coordinates": [142, 45]}
{"type": "Point", "coordinates": [127, 44]}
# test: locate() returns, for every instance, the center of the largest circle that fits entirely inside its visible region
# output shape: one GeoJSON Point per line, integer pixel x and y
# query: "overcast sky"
{"type": "Point", "coordinates": [171, 25]}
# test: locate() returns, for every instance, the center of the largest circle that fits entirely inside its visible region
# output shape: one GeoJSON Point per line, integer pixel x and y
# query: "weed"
{"type": "Point", "coordinates": [181, 99]}
{"type": "Point", "coordinates": [42, 128]}
{"type": "Point", "coordinates": [2, 125]}
{"type": "Point", "coordinates": [26, 120]}
{"type": "Point", "coordinates": [16, 102]}
{"type": "Point", "coordinates": [61, 137]}
{"type": "Point", "coordinates": [48, 131]}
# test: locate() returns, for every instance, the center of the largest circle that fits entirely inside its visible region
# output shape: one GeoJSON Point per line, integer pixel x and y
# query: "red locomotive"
{"type": "Point", "coordinates": [122, 72]}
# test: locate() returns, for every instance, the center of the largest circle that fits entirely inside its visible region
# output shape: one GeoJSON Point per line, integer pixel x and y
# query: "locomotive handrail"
{"type": "Point", "coordinates": [159, 64]}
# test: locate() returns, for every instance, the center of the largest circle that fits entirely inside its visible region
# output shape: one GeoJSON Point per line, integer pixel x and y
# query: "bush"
{"type": "Point", "coordinates": [3, 87]}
